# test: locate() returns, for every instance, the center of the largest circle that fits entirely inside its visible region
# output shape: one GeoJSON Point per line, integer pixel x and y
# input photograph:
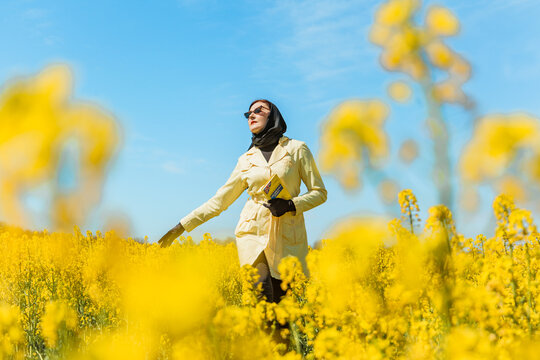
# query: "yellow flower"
{"type": "Point", "coordinates": [250, 292]}
{"type": "Point", "coordinates": [347, 255]}
{"type": "Point", "coordinates": [439, 54]}
{"type": "Point", "coordinates": [57, 315]}
{"type": "Point", "coordinates": [512, 186]}
{"type": "Point", "coordinates": [440, 216]}
{"type": "Point", "coordinates": [388, 190]}
{"type": "Point", "coordinates": [441, 21]}
{"type": "Point", "coordinates": [395, 12]}
{"type": "Point", "coordinates": [11, 332]}
{"type": "Point", "coordinates": [399, 91]}
{"type": "Point", "coordinates": [460, 68]}
{"type": "Point", "coordinates": [352, 128]}
{"type": "Point", "coordinates": [292, 275]}
{"type": "Point", "coordinates": [409, 207]}
{"type": "Point", "coordinates": [415, 67]}
{"type": "Point", "coordinates": [408, 151]}
{"type": "Point", "coordinates": [39, 126]}
{"type": "Point", "coordinates": [469, 198]}
{"type": "Point", "coordinates": [496, 142]}
{"type": "Point", "coordinates": [400, 48]}
{"type": "Point", "coordinates": [375, 291]}
{"type": "Point", "coordinates": [466, 342]}
{"type": "Point", "coordinates": [449, 91]}
{"type": "Point", "coordinates": [182, 286]}
{"type": "Point", "coordinates": [117, 345]}
{"type": "Point", "coordinates": [380, 34]}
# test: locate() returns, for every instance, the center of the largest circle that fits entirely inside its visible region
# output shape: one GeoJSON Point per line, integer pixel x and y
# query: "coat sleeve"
{"type": "Point", "coordinates": [223, 198]}
{"type": "Point", "coordinates": [309, 174]}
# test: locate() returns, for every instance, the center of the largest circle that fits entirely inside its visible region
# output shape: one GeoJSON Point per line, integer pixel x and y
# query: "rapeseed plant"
{"type": "Point", "coordinates": [377, 289]}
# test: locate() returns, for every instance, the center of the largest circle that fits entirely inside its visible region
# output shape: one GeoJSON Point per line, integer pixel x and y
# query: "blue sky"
{"type": "Point", "coordinates": [179, 74]}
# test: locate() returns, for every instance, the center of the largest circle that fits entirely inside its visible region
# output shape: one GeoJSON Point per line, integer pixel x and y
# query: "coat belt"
{"type": "Point", "coordinates": [258, 199]}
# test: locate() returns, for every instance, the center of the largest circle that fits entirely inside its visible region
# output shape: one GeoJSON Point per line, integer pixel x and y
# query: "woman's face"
{"type": "Point", "coordinates": [257, 122]}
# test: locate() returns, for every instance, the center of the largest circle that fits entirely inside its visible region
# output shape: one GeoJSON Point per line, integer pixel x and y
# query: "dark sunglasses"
{"type": "Point", "coordinates": [256, 111]}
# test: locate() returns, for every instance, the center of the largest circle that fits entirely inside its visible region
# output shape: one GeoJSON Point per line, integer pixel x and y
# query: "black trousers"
{"type": "Point", "coordinates": [271, 286]}
{"type": "Point", "coordinates": [272, 290]}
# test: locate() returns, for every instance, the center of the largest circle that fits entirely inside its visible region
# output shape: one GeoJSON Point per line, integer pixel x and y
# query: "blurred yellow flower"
{"type": "Point", "coordinates": [408, 151]}
{"type": "Point", "coordinates": [468, 343]}
{"type": "Point", "coordinates": [512, 186]}
{"type": "Point", "coordinates": [399, 91]}
{"type": "Point", "coordinates": [353, 130]}
{"type": "Point", "coordinates": [388, 190]}
{"type": "Point", "coordinates": [379, 34]}
{"type": "Point", "coordinates": [441, 21]}
{"type": "Point", "coordinates": [118, 345]}
{"type": "Point", "coordinates": [185, 295]}
{"type": "Point", "coordinates": [495, 144]}
{"type": "Point", "coordinates": [57, 315]}
{"type": "Point", "coordinates": [375, 290]}
{"type": "Point", "coordinates": [449, 91]}
{"type": "Point", "coordinates": [469, 198]}
{"type": "Point", "coordinates": [395, 12]}
{"type": "Point", "coordinates": [11, 332]}
{"type": "Point", "coordinates": [460, 68]}
{"type": "Point", "coordinates": [38, 120]}
{"type": "Point", "coordinates": [439, 54]}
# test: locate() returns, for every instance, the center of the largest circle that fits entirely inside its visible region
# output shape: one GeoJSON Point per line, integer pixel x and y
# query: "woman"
{"type": "Point", "coordinates": [267, 230]}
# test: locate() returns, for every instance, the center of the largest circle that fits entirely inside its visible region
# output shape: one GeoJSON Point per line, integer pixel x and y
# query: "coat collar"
{"type": "Point", "coordinates": [256, 157]}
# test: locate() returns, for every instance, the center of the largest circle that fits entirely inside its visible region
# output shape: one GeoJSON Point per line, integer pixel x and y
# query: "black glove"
{"type": "Point", "coordinates": [168, 238]}
{"type": "Point", "coordinates": [279, 206]}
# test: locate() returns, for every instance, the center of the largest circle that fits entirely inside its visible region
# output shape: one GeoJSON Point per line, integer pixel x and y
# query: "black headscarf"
{"type": "Point", "coordinates": [272, 132]}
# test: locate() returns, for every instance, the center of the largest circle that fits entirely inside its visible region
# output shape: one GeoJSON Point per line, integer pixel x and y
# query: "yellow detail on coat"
{"type": "Point", "coordinates": [257, 229]}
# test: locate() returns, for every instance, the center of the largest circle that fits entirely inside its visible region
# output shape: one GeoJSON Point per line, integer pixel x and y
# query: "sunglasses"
{"type": "Point", "coordinates": [256, 111]}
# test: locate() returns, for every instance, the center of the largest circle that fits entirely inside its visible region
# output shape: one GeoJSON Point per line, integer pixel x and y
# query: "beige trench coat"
{"type": "Point", "coordinates": [257, 229]}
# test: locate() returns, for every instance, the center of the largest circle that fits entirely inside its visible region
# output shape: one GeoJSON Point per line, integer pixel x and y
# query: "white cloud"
{"type": "Point", "coordinates": [320, 39]}
{"type": "Point", "coordinates": [51, 40]}
{"type": "Point", "coordinates": [35, 13]}
{"type": "Point", "coordinates": [325, 36]}
{"type": "Point", "coordinates": [38, 24]}
{"type": "Point", "coordinates": [143, 151]}
{"type": "Point", "coordinates": [172, 167]}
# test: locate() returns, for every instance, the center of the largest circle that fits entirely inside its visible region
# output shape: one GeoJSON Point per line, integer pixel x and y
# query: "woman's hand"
{"type": "Point", "coordinates": [167, 239]}
{"type": "Point", "coordinates": [279, 206]}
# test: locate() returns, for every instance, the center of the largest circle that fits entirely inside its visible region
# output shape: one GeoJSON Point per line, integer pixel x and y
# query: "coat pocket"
{"type": "Point", "coordinates": [289, 229]}
{"type": "Point", "coordinates": [247, 221]}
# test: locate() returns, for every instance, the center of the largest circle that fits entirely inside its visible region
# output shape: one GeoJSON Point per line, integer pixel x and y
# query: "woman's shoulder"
{"type": "Point", "coordinates": [294, 146]}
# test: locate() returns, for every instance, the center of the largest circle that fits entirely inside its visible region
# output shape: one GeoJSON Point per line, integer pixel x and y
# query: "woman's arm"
{"type": "Point", "coordinates": [223, 198]}
{"type": "Point", "coordinates": [309, 174]}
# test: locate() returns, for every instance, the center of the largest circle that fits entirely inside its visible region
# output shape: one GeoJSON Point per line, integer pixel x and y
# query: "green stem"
{"type": "Point", "coordinates": [439, 135]}
{"type": "Point", "coordinates": [411, 219]}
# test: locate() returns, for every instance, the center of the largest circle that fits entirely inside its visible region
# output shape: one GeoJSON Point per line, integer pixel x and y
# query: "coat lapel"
{"type": "Point", "coordinates": [279, 152]}
{"type": "Point", "coordinates": [256, 157]}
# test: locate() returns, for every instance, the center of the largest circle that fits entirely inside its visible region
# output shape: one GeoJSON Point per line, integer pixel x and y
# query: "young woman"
{"type": "Point", "coordinates": [270, 230]}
